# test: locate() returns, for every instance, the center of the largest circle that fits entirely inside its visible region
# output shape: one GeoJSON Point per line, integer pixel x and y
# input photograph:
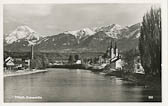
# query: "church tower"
{"type": "Point", "coordinates": [116, 50]}
{"type": "Point", "coordinates": [108, 51]}
{"type": "Point", "coordinates": [112, 55]}
{"type": "Point", "coordinates": [117, 53]}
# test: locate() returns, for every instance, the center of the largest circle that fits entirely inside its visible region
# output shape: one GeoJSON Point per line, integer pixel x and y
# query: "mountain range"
{"type": "Point", "coordinates": [95, 39]}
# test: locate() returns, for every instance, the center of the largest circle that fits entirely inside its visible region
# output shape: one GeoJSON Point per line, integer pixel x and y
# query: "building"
{"type": "Point", "coordinates": [16, 63]}
{"type": "Point", "coordinates": [13, 62]}
{"type": "Point", "coordinates": [78, 62]}
{"type": "Point", "coordinates": [138, 66]}
{"type": "Point", "coordinates": [119, 64]}
{"type": "Point", "coordinates": [113, 56]}
{"type": "Point", "coordinates": [100, 60]}
{"type": "Point", "coordinates": [9, 63]}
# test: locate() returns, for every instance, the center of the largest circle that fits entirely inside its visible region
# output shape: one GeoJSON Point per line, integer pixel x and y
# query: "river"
{"type": "Point", "coordinates": [65, 85]}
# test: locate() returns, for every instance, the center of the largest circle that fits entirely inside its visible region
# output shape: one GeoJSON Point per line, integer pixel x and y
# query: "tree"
{"type": "Point", "coordinates": [150, 43]}
{"type": "Point", "coordinates": [33, 64]}
{"type": "Point", "coordinates": [76, 57]}
{"type": "Point", "coordinates": [128, 57]}
{"type": "Point", "coordinates": [71, 59]}
{"type": "Point", "coordinates": [45, 61]}
{"type": "Point", "coordinates": [104, 55]}
{"type": "Point", "coordinates": [39, 64]}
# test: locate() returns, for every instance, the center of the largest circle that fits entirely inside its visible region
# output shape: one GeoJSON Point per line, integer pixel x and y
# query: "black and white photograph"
{"type": "Point", "coordinates": [82, 52]}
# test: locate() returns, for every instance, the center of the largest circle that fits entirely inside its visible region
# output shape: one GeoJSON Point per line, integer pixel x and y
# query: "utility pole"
{"type": "Point", "coordinates": [32, 56]}
{"type": "Point", "coordinates": [32, 52]}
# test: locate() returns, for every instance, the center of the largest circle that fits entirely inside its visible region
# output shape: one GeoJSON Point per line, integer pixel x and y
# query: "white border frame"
{"type": "Point", "coordinates": [164, 51]}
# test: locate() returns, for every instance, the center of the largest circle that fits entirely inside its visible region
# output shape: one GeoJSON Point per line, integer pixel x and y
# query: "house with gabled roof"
{"type": "Point", "coordinates": [16, 63]}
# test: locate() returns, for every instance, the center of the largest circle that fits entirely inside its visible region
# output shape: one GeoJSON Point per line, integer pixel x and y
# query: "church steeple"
{"type": "Point", "coordinates": [116, 50]}
{"type": "Point", "coordinates": [111, 45]}
{"type": "Point", "coordinates": [115, 46]}
{"type": "Point", "coordinates": [108, 49]}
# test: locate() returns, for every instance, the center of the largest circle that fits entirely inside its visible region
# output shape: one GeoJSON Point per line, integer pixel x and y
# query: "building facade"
{"type": "Point", "coordinates": [138, 66]}
{"type": "Point", "coordinates": [113, 56]}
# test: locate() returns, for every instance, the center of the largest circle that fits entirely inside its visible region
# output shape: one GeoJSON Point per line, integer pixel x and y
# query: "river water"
{"type": "Point", "coordinates": [69, 85]}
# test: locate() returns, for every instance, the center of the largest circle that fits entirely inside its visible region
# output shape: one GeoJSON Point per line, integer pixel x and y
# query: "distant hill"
{"type": "Point", "coordinates": [87, 39]}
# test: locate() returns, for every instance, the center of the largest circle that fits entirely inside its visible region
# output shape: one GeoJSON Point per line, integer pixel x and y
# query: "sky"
{"type": "Point", "coordinates": [51, 19]}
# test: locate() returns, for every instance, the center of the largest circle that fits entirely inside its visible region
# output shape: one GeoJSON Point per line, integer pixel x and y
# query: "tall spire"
{"type": "Point", "coordinates": [111, 46]}
{"type": "Point", "coordinates": [115, 45]}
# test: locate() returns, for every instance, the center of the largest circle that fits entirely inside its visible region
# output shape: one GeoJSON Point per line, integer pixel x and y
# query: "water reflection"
{"type": "Point", "coordinates": [72, 85]}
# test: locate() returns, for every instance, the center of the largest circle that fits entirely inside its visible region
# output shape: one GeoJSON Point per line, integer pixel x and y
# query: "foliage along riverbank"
{"type": "Point", "coordinates": [137, 79]}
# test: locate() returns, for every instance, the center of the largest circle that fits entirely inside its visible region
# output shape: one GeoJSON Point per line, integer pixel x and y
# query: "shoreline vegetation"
{"type": "Point", "coordinates": [135, 78]}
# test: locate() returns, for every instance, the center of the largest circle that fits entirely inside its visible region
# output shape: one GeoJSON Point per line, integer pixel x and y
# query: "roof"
{"type": "Point", "coordinates": [8, 58]}
{"type": "Point", "coordinates": [9, 61]}
{"type": "Point", "coordinates": [12, 61]}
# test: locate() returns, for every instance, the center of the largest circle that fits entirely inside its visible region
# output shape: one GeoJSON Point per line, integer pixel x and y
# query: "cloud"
{"type": "Point", "coordinates": [55, 18]}
{"type": "Point", "coordinates": [50, 26]}
{"type": "Point", "coordinates": [27, 9]}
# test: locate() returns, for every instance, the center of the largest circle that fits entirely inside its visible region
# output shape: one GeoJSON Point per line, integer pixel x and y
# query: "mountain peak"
{"type": "Point", "coordinates": [22, 32]}
{"type": "Point", "coordinates": [86, 39]}
{"type": "Point", "coordinates": [81, 32]}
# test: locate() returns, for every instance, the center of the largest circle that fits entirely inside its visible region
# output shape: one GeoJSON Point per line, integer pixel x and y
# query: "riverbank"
{"type": "Point", "coordinates": [11, 74]}
{"type": "Point", "coordinates": [93, 68]}
{"type": "Point", "coordinates": [68, 66]}
{"type": "Point", "coordinates": [63, 85]}
{"type": "Point", "coordinates": [136, 78]}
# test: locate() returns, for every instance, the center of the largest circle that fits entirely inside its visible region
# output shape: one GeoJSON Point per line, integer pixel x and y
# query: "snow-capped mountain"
{"type": "Point", "coordinates": [112, 30]}
{"type": "Point", "coordinates": [22, 33]}
{"type": "Point", "coordinates": [108, 28]}
{"type": "Point", "coordinates": [87, 39]}
{"type": "Point", "coordinates": [81, 33]}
